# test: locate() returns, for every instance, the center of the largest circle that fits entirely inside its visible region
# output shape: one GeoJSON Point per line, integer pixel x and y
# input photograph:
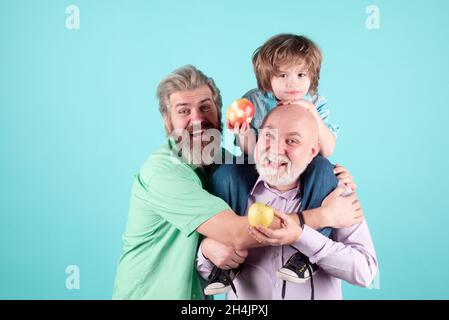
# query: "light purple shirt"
{"type": "Point", "coordinates": [349, 255]}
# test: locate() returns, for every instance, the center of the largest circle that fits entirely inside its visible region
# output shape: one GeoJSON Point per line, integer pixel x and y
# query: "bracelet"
{"type": "Point", "coordinates": [301, 218]}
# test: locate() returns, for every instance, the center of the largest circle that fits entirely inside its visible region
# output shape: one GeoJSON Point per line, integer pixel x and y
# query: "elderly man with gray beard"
{"type": "Point", "coordinates": [287, 143]}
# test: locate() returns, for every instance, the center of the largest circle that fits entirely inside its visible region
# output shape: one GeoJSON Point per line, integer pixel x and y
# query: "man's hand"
{"type": "Point", "coordinates": [341, 211]}
{"type": "Point", "coordinates": [288, 233]}
{"type": "Point", "coordinates": [222, 256]}
{"type": "Point", "coordinates": [344, 177]}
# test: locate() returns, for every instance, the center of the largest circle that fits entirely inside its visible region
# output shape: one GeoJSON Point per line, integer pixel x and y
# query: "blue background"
{"type": "Point", "coordinates": [78, 116]}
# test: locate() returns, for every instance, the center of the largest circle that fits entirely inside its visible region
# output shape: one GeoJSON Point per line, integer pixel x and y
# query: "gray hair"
{"type": "Point", "coordinates": [186, 78]}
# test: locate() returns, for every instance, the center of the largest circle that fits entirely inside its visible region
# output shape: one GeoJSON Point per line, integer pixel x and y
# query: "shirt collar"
{"type": "Point", "coordinates": [260, 185]}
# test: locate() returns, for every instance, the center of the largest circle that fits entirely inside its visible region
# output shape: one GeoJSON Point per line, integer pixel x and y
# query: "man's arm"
{"type": "Point", "coordinates": [350, 256]}
{"type": "Point", "coordinates": [339, 209]}
{"type": "Point", "coordinates": [336, 211]}
{"type": "Point", "coordinates": [212, 252]}
{"type": "Point", "coordinates": [232, 230]}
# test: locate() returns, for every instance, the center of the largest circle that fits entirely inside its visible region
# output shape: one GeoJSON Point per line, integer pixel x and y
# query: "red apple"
{"type": "Point", "coordinates": [240, 111]}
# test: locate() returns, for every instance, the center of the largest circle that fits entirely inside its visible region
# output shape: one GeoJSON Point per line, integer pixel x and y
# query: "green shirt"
{"type": "Point", "coordinates": [167, 204]}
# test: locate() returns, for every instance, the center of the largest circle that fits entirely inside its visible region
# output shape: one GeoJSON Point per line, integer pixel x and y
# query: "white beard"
{"type": "Point", "coordinates": [273, 176]}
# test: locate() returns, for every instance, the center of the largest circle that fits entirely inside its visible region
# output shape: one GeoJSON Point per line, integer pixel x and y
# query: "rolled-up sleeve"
{"type": "Point", "coordinates": [181, 201]}
{"type": "Point", "coordinates": [349, 255]}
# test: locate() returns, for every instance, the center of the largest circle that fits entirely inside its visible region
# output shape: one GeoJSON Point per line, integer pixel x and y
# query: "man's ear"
{"type": "Point", "coordinates": [167, 125]}
{"type": "Point", "coordinates": [315, 149]}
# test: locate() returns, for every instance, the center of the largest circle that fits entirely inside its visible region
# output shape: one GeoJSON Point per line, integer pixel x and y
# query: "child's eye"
{"type": "Point", "coordinates": [302, 75]}
{"type": "Point", "coordinates": [283, 75]}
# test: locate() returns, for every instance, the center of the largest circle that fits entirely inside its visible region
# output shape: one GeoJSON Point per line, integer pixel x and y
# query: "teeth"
{"type": "Point", "coordinates": [197, 132]}
{"type": "Point", "coordinates": [275, 161]}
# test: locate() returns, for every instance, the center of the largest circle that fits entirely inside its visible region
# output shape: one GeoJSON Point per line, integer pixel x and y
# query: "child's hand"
{"type": "Point", "coordinates": [285, 102]}
{"type": "Point", "coordinates": [303, 103]}
{"type": "Point", "coordinates": [241, 130]}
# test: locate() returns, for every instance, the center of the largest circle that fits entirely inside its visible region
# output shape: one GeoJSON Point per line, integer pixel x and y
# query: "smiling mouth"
{"type": "Point", "coordinates": [197, 133]}
{"type": "Point", "coordinates": [275, 164]}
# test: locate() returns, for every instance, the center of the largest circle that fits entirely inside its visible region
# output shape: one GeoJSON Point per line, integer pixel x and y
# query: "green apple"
{"type": "Point", "coordinates": [260, 214]}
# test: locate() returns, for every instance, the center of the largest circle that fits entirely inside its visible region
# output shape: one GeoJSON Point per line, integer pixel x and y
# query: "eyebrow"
{"type": "Point", "coordinates": [292, 133]}
{"type": "Point", "coordinates": [183, 104]}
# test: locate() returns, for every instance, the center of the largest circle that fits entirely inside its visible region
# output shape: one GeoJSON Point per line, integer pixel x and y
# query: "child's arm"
{"type": "Point", "coordinates": [246, 137]}
{"type": "Point", "coordinates": [326, 137]}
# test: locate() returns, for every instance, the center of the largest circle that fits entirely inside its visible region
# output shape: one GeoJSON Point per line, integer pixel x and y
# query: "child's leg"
{"type": "Point", "coordinates": [220, 281]}
{"type": "Point", "coordinates": [233, 183]}
{"type": "Point", "coordinates": [316, 182]}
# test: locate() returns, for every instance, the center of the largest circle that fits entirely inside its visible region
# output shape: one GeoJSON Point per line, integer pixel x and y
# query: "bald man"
{"type": "Point", "coordinates": [287, 143]}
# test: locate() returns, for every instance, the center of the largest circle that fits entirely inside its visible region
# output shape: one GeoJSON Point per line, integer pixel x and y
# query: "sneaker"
{"type": "Point", "coordinates": [297, 269]}
{"type": "Point", "coordinates": [220, 281]}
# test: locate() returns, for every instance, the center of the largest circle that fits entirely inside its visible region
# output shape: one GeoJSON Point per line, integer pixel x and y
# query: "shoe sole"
{"type": "Point", "coordinates": [289, 278]}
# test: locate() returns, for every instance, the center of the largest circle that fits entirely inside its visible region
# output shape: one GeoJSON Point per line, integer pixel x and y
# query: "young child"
{"type": "Point", "coordinates": [287, 68]}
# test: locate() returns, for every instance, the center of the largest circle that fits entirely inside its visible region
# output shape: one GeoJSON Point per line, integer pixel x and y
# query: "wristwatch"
{"type": "Point", "coordinates": [301, 218]}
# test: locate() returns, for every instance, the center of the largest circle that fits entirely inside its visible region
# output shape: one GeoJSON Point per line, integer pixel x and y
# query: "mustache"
{"type": "Point", "coordinates": [276, 158]}
{"type": "Point", "coordinates": [203, 125]}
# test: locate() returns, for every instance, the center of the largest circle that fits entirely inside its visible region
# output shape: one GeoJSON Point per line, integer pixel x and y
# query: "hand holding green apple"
{"type": "Point", "coordinates": [260, 214]}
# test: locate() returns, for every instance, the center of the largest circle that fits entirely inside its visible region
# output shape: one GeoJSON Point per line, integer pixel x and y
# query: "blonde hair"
{"type": "Point", "coordinates": [186, 78]}
{"type": "Point", "coordinates": [286, 49]}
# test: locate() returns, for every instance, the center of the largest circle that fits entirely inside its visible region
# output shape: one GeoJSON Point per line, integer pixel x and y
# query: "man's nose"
{"type": "Point", "coordinates": [282, 147]}
{"type": "Point", "coordinates": [196, 115]}
{"type": "Point", "coordinates": [277, 146]}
